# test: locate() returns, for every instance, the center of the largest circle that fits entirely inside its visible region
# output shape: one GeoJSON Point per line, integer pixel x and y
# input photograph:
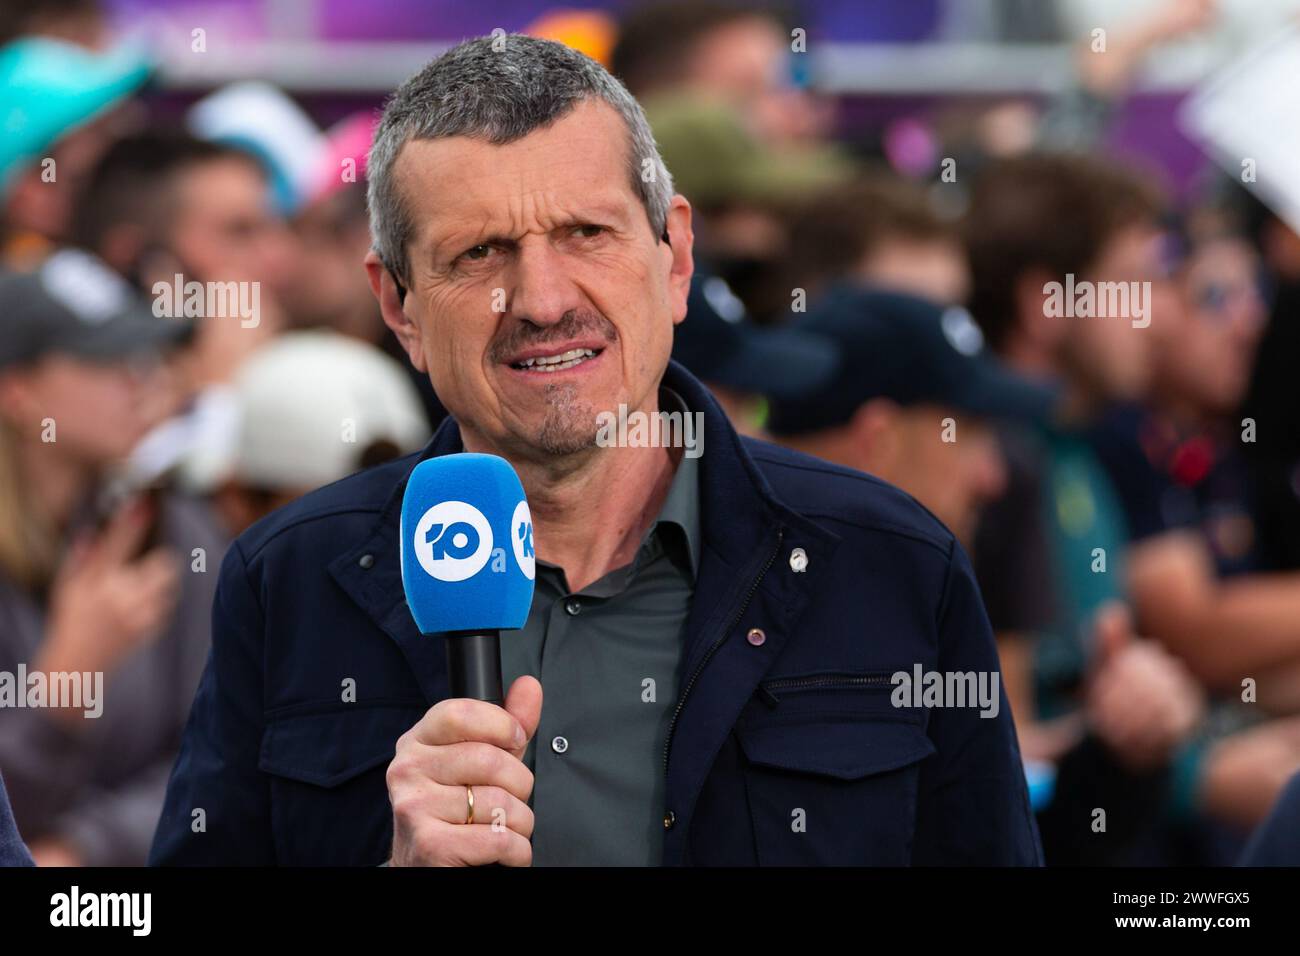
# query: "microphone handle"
{"type": "Point", "coordinates": [474, 665]}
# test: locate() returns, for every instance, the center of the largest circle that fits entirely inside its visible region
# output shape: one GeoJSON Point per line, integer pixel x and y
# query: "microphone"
{"type": "Point", "coordinates": [468, 562]}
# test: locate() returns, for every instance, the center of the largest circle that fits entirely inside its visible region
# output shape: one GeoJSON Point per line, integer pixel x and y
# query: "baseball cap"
{"type": "Point", "coordinates": [909, 350]}
{"type": "Point", "coordinates": [715, 160]}
{"type": "Point", "coordinates": [262, 120]}
{"type": "Point", "coordinates": [49, 87]}
{"type": "Point", "coordinates": [720, 344]}
{"type": "Point", "coordinates": [75, 305]}
{"type": "Point", "coordinates": [296, 398]}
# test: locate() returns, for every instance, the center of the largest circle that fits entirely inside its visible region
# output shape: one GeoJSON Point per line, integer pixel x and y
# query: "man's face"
{"type": "Point", "coordinates": [1111, 354]}
{"type": "Point", "coordinates": [224, 228]}
{"type": "Point", "coordinates": [1205, 352]}
{"type": "Point", "coordinates": [530, 256]}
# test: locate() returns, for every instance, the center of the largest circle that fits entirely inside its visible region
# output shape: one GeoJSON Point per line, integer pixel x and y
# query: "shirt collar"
{"type": "Point", "coordinates": [682, 505]}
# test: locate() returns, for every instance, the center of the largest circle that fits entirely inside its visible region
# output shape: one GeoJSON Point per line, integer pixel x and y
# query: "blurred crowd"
{"type": "Point", "coordinates": [1128, 485]}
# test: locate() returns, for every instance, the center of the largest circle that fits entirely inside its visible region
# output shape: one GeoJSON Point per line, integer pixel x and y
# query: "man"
{"type": "Point", "coordinates": [160, 205]}
{"type": "Point", "coordinates": [683, 604]}
{"type": "Point", "coordinates": [912, 402]}
{"type": "Point", "coordinates": [881, 230]}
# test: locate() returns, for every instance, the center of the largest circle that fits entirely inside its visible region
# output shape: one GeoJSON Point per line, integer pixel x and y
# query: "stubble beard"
{"type": "Point", "coordinates": [569, 423]}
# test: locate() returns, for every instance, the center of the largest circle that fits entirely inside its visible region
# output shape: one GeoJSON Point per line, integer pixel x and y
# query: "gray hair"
{"type": "Point", "coordinates": [499, 89]}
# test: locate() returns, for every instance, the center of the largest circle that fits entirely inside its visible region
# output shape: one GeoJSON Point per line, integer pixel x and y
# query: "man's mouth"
{"type": "Point", "coordinates": [556, 362]}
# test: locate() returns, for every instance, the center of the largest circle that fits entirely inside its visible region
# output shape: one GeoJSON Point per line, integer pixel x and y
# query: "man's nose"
{"type": "Point", "coordinates": [541, 290]}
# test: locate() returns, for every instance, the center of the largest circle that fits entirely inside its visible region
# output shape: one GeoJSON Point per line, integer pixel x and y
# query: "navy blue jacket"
{"type": "Point", "coordinates": [785, 751]}
{"type": "Point", "coordinates": [1277, 841]}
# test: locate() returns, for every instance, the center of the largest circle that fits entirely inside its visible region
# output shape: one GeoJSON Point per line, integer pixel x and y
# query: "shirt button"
{"type": "Point", "coordinates": [669, 819]}
{"type": "Point", "coordinates": [573, 606]}
{"type": "Point", "coordinates": [559, 745]}
{"type": "Point", "coordinates": [756, 636]}
{"type": "Point", "coordinates": [367, 561]}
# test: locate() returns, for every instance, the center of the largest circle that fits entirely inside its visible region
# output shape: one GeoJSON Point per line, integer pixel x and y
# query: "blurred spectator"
{"type": "Point", "coordinates": [313, 408]}
{"type": "Point", "coordinates": [62, 108]}
{"type": "Point", "coordinates": [880, 230]}
{"type": "Point", "coordinates": [93, 584]}
{"type": "Point", "coordinates": [742, 192]}
{"type": "Point", "coordinates": [329, 289]}
{"type": "Point", "coordinates": [742, 363]}
{"type": "Point", "coordinates": [736, 55]}
{"type": "Point", "coordinates": [160, 205]}
{"type": "Point", "coordinates": [73, 21]}
{"type": "Point", "coordinates": [911, 401]}
{"type": "Point", "coordinates": [1035, 221]}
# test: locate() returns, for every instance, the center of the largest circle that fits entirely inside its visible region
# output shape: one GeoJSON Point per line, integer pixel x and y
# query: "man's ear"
{"type": "Point", "coordinates": [875, 437]}
{"type": "Point", "coordinates": [392, 308]}
{"type": "Point", "coordinates": [682, 264]}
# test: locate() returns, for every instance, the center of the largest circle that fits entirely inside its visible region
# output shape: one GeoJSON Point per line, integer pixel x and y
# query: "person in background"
{"type": "Point", "coordinates": [1076, 612]}
{"type": "Point", "coordinates": [63, 106]}
{"type": "Point", "coordinates": [313, 407]}
{"type": "Point", "coordinates": [911, 402]}
{"type": "Point", "coordinates": [880, 230]}
{"type": "Point", "coordinates": [163, 208]}
{"type": "Point", "coordinates": [332, 229]}
{"type": "Point", "coordinates": [735, 55]}
{"type": "Point", "coordinates": [161, 204]}
{"type": "Point", "coordinates": [743, 363]}
{"type": "Point", "coordinates": [743, 192]}
{"type": "Point", "coordinates": [94, 578]}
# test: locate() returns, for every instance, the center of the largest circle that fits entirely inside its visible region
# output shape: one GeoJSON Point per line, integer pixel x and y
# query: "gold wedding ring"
{"type": "Point", "coordinates": [469, 793]}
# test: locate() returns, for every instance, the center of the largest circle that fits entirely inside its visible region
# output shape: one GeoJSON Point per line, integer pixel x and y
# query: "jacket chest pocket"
{"type": "Point", "coordinates": [832, 779]}
{"type": "Point", "coordinates": [329, 799]}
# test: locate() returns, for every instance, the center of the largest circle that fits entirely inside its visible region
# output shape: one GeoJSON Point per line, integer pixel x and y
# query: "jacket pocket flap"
{"type": "Point", "coordinates": [327, 749]}
{"type": "Point", "coordinates": [837, 747]}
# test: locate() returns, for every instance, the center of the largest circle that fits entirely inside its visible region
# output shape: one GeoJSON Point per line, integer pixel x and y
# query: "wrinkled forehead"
{"type": "Point", "coordinates": [577, 162]}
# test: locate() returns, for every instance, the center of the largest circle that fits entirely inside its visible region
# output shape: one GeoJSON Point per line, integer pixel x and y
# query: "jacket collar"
{"type": "Point", "coordinates": [745, 580]}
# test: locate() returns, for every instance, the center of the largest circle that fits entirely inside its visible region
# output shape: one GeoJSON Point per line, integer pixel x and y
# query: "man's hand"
{"type": "Point", "coordinates": [464, 743]}
{"type": "Point", "coordinates": [1141, 701]}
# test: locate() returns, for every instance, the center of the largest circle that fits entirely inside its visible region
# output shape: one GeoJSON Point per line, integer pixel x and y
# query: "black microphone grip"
{"type": "Point", "coordinates": [474, 665]}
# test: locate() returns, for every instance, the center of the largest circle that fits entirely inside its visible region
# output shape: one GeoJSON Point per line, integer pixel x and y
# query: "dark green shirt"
{"type": "Point", "coordinates": [607, 660]}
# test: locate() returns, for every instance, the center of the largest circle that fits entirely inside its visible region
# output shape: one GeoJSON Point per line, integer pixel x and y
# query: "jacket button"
{"type": "Point", "coordinates": [669, 819]}
{"type": "Point", "coordinates": [756, 636]}
{"type": "Point", "coordinates": [798, 560]}
{"type": "Point", "coordinates": [367, 561]}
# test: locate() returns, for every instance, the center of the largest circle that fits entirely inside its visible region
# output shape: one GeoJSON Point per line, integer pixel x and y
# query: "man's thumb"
{"type": "Point", "coordinates": [524, 704]}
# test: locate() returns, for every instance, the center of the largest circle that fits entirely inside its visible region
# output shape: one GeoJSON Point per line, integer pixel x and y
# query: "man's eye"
{"type": "Point", "coordinates": [477, 252]}
{"type": "Point", "coordinates": [589, 231]}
